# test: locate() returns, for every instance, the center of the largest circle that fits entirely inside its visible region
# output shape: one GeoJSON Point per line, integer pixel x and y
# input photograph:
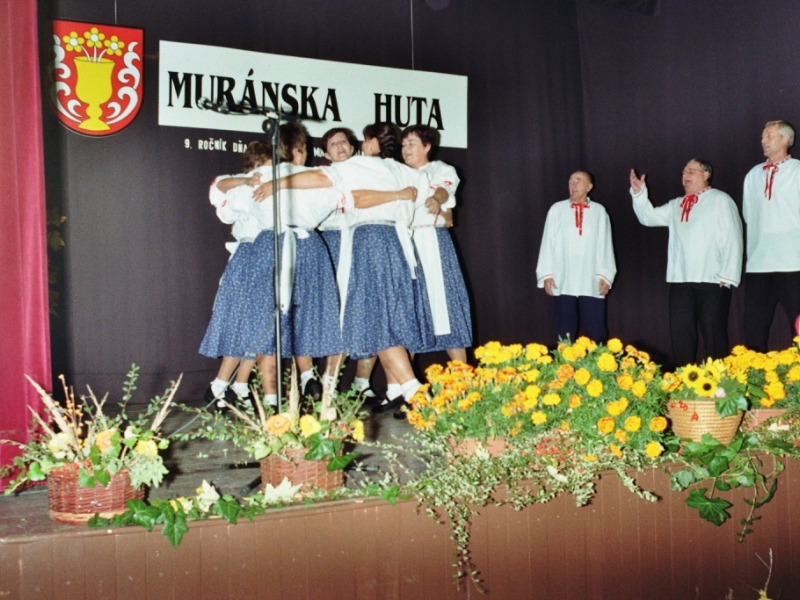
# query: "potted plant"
{"type": "Point", "coordinates": [93, 461]}
{"type": "Point", "coordinates": [303, 448]}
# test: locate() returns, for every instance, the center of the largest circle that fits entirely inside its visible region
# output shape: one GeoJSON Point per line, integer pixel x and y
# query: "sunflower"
{"type": "Point", "coordinates": [705, 387]}
{"type": "Point", "coordinates": [689, 375]}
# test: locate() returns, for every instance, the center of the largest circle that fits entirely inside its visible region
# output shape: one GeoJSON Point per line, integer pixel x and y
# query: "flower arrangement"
{"type": "Point", "coordinates": [722, 381]}
{"type": "Point", "coordinates": [603, 399]}
{"type": "Point", "coordinates": [80, 435]}
{"type": "Point", "coordinates": [95, 40]}
{"type": "Point", "coordinates": [772, 379]}
{"type": "Point", "coordinates": [261, 431]}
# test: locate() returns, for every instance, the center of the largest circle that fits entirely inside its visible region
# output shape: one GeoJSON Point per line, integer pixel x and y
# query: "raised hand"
{"type": "Point", "coordinates": [637, 183]}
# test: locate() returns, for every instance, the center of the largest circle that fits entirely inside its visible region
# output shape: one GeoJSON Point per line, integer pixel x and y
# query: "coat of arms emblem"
{"type": "Point", "coordinates": [96, 76]}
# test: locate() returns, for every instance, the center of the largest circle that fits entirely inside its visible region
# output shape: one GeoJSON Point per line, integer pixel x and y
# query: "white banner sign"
{"type": "Point", "coordinates": [322, 94]}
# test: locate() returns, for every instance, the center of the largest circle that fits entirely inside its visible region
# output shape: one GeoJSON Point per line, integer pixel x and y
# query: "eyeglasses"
{"type": "Point", "coordinates": [692, 171]}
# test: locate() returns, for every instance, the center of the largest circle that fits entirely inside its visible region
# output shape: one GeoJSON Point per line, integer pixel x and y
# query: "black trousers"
{"type": "Point", "coordinates": [698, 305]}
{"type": "Point", "coordinates": [762, 292]}
{"type": "Point", "coordinates": [571, 313]}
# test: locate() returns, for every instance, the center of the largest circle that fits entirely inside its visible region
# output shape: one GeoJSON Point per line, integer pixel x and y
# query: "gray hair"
{"type": "Point", "coordinates": [784, 128]}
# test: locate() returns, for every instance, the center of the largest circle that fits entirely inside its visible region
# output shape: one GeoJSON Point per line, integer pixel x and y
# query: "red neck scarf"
{"type": "Point", "coordinates": [772, 168]}
{"type": "Point", "coordinates": [579, 207]}
{"type": "Point", "coordinates": [688, 203]}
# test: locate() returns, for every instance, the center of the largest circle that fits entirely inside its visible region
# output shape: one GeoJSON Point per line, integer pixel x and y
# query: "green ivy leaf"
{"type": "Point", "coordinates": [713, 510]}
{"type": "Point", "coordinates": [681, 480]}
{"type": "Point", "coordinates": [721, 485]}
{"type": "Point", "coordinates": [176, 529]}
{"type": "Point", "coordinates": [229, 509]}
{"type": "Point", "coordinates": [85, 479]}
{"type": "Point", "coordinates": [35, 472]}
{"type": "Point", "coordinates": [320, 448]}
{"type": "Point", "coordinates": [94, 455]}
{"type": "Point", "coordinates": [102, 477]}
{"type": "Point", "coordinates": [747, 479]}
{"type": "Point", "coordinates": [340, 462]}
{"type": "Point", "coordinates": [718, 465]}
{"type": "Point", "coordinates": [146, 517]}
{"type": "Point", "coordinates": [390, 494]}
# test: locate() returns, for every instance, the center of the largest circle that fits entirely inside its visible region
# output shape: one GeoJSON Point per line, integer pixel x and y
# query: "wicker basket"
{"type": "Point", "coordinates": [692, 418]}
{"type": "Point", "coordinates": [73, 504]}
{"type": "Point", "coordinates": [298, 470]}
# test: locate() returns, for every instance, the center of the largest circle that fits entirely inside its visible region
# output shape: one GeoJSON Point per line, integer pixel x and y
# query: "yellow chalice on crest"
{"type": "Point", "coordinates": [94, 88]}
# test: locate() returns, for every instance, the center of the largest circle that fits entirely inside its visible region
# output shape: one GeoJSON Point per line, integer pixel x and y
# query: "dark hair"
{"type": "Point", "coordinates": [427, 135]}
{"type": "Point", "coordinates": [256, 154]}
{"type": "Point", "coordinates": [704, 166]}
{"type": "Point", "coordinates": [293, 136]}
{"type": "Point", "coordinates": [351, 137]}
{"type": "Point", "coordinates": [386, 134]}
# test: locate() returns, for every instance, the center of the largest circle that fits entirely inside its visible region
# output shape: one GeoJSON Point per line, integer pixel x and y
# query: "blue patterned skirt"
{"type": "Point", "coordinates": [333, 241]}
{"type": "Point", "coordinates": [455, 291]}
{"type": "Point", "coordinates": [230, 305]}
{"type": "Point", "coordinates": [314, 313]}
{"type": "Point", "coordinates": [385, 306]}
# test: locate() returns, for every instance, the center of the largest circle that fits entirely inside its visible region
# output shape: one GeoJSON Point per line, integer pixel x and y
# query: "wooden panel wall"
{"type": "Point", "coordinates": [619, 547]}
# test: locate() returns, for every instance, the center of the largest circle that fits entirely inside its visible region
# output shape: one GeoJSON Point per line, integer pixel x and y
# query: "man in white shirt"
{"type": "Point", "coordinates": [576, 263]}
{"type": "Point", "coordinates": [771, 209]}
{"type": "Point", "coordinates": [704, 259]}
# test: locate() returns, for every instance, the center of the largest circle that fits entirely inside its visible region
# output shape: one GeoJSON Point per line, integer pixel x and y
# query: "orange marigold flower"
{"type": "Point", "coordinates": [278, 425]}
{"type": "Point", "coordinates": [606, 425]}
{"type": "Point", "coordinates": [625, 381]}
{"type": "Point", "coordinates": [615, 449]}
{"type": "Point", "coordinates": [621, 436]}
{"type": "Point", "coordinates": [565, 372]}
{"type": "Point", "coordinates": [633, 423]}
{"type": "Point", "coordinates": [658, 424]}
{"type": "Point", "coordinates": [574, 401]}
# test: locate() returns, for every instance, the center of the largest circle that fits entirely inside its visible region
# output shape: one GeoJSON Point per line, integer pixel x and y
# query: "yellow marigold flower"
{"type": "Point", "coordinates": [594, 388]}
{"type": "Point", "coordinates": [643, 356]}
{"type": "Point", "coordinates": [606, 362]}
{"type": "Point", "coordinates": [793, 374]}
{"type": "Point", "coordinates": [533, 391]}
{"type": "Point", "coordinates": [771, 376]}
{"type": "Point", "coordinates": [516, 429]}
{"type": "Point", "coordinates": [278, 425]}
{"type": "Point", "coordinates": [775, 390]}
{"type": "Point", "coordinates": [639, 388]}
{"type": "Point", "coordinates": [621, 436]}
{"type": "Point", "coordinates": [653, 449]}
{"type": "Point", "coordinates": [670, 382]}
{"type": "Point", "coordinates": [574, 401]}
{"type": "Point", "coordinates": [532, 375]}
{"type": "Point", "coordinates": [358, 429]}
{"type": "Point", "coordinates": [625, 381]}
{"type": "Point", "coordinates": [766, 402]}
{"type": "Point", "coordinates": [147, 448]}
{"type": "Point", "coordinates": [524, 367]}
{"type": "Point", "coordinates": [539, 418]}
{"type": "Point", "coordinates": [658, 424]}
{"type": "Point", "coordinates": [534, 351]}
{"type": "Point", "coordinates": [585, 343]}
{"type": "Point", "coordinates": [544, 360]}
{"type": "Point", "coordinates": [565, 372]}
{"type": "Point", "coordinates": [564, 425]}
{"type": "Point", "coordinates": [633, 423]}
{"type": "Point", "coordinates": [606, 425]}
{"type": "Point", "coordinates": [590, 457]}
{"type": "Point", "coordinates": [569, 353]}
{"type": "Point", "coordinates": [614, 409]}
{"type": "Point", "coordinates": [615, 449]}
{"type": "Point", "coordinates": [623, 404]}
{"type": "Point", "coordinates": [582, 376]}
{"type": "Point", "coordinates": [309, 426]}
{"type": "Point", "coordinates": [614, 345]}
{"type": "Point", "coordinates": [739, 350]}
{"type": "Point", "coordinates": [551, 400]}
{"type": "Point", "coordinates": [628, 363]}
{"type": "Point", "coordinates": [103, 439]}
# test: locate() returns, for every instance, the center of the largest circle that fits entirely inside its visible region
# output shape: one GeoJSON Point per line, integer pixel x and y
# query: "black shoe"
{"type": "Point", "coordinates": [213, 401]}
{"type": "Point", "coordinates": [402, 411]}
{"type": "Point", "coordinates": [313, 390]}
{"type": "Point", "coordinates": [386, 405]}
{"type": "Point", "coordinates": [368, 400]}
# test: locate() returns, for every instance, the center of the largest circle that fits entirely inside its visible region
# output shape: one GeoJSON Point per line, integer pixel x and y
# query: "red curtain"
{"type": "Point", "coordinates": [24, 319]}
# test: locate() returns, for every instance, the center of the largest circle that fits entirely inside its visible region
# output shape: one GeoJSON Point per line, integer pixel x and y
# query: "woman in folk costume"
{"type": "Point", "coordinates": [380, 282]}
{"type": "Point", "coordinates": [232, 197]}
{"type": "Point", "coordinates": [445, 283]}
{"type": "Point", "coordinates": [576, 264]}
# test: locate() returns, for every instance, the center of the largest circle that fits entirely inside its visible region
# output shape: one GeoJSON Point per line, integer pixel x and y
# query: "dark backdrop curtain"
{"type": "Point", "coordinates": [145, 250]}
{"type": "Point", "coordinates": [24, 342]}
{"type": "Point", "coordinates": [698, 81]}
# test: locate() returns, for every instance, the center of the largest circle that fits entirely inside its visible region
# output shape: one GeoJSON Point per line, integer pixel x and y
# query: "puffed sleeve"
{"type": "Point", "coordinates": [729, 241]}
{"type": "Point", "coordinates": [647, 215]}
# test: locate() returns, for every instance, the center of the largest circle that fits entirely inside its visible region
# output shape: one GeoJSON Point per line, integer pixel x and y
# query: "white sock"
{"type": "Point", "coordinates": [362, 385]}
{"type": "Point", "coordinates": [218, 387]}
{"type": "Point", "coordinates": [393, 390]}
{"type": "Point", "coordinates": [410, 388]}
{"type": "Point", "coordinates": [241, 389]}
{"type": "Point", "coordinates": [271, 399]}
{"type": "Point", "coordinates": [305, 376]}
{"type": "Point", "coordinates": [328, 380]}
